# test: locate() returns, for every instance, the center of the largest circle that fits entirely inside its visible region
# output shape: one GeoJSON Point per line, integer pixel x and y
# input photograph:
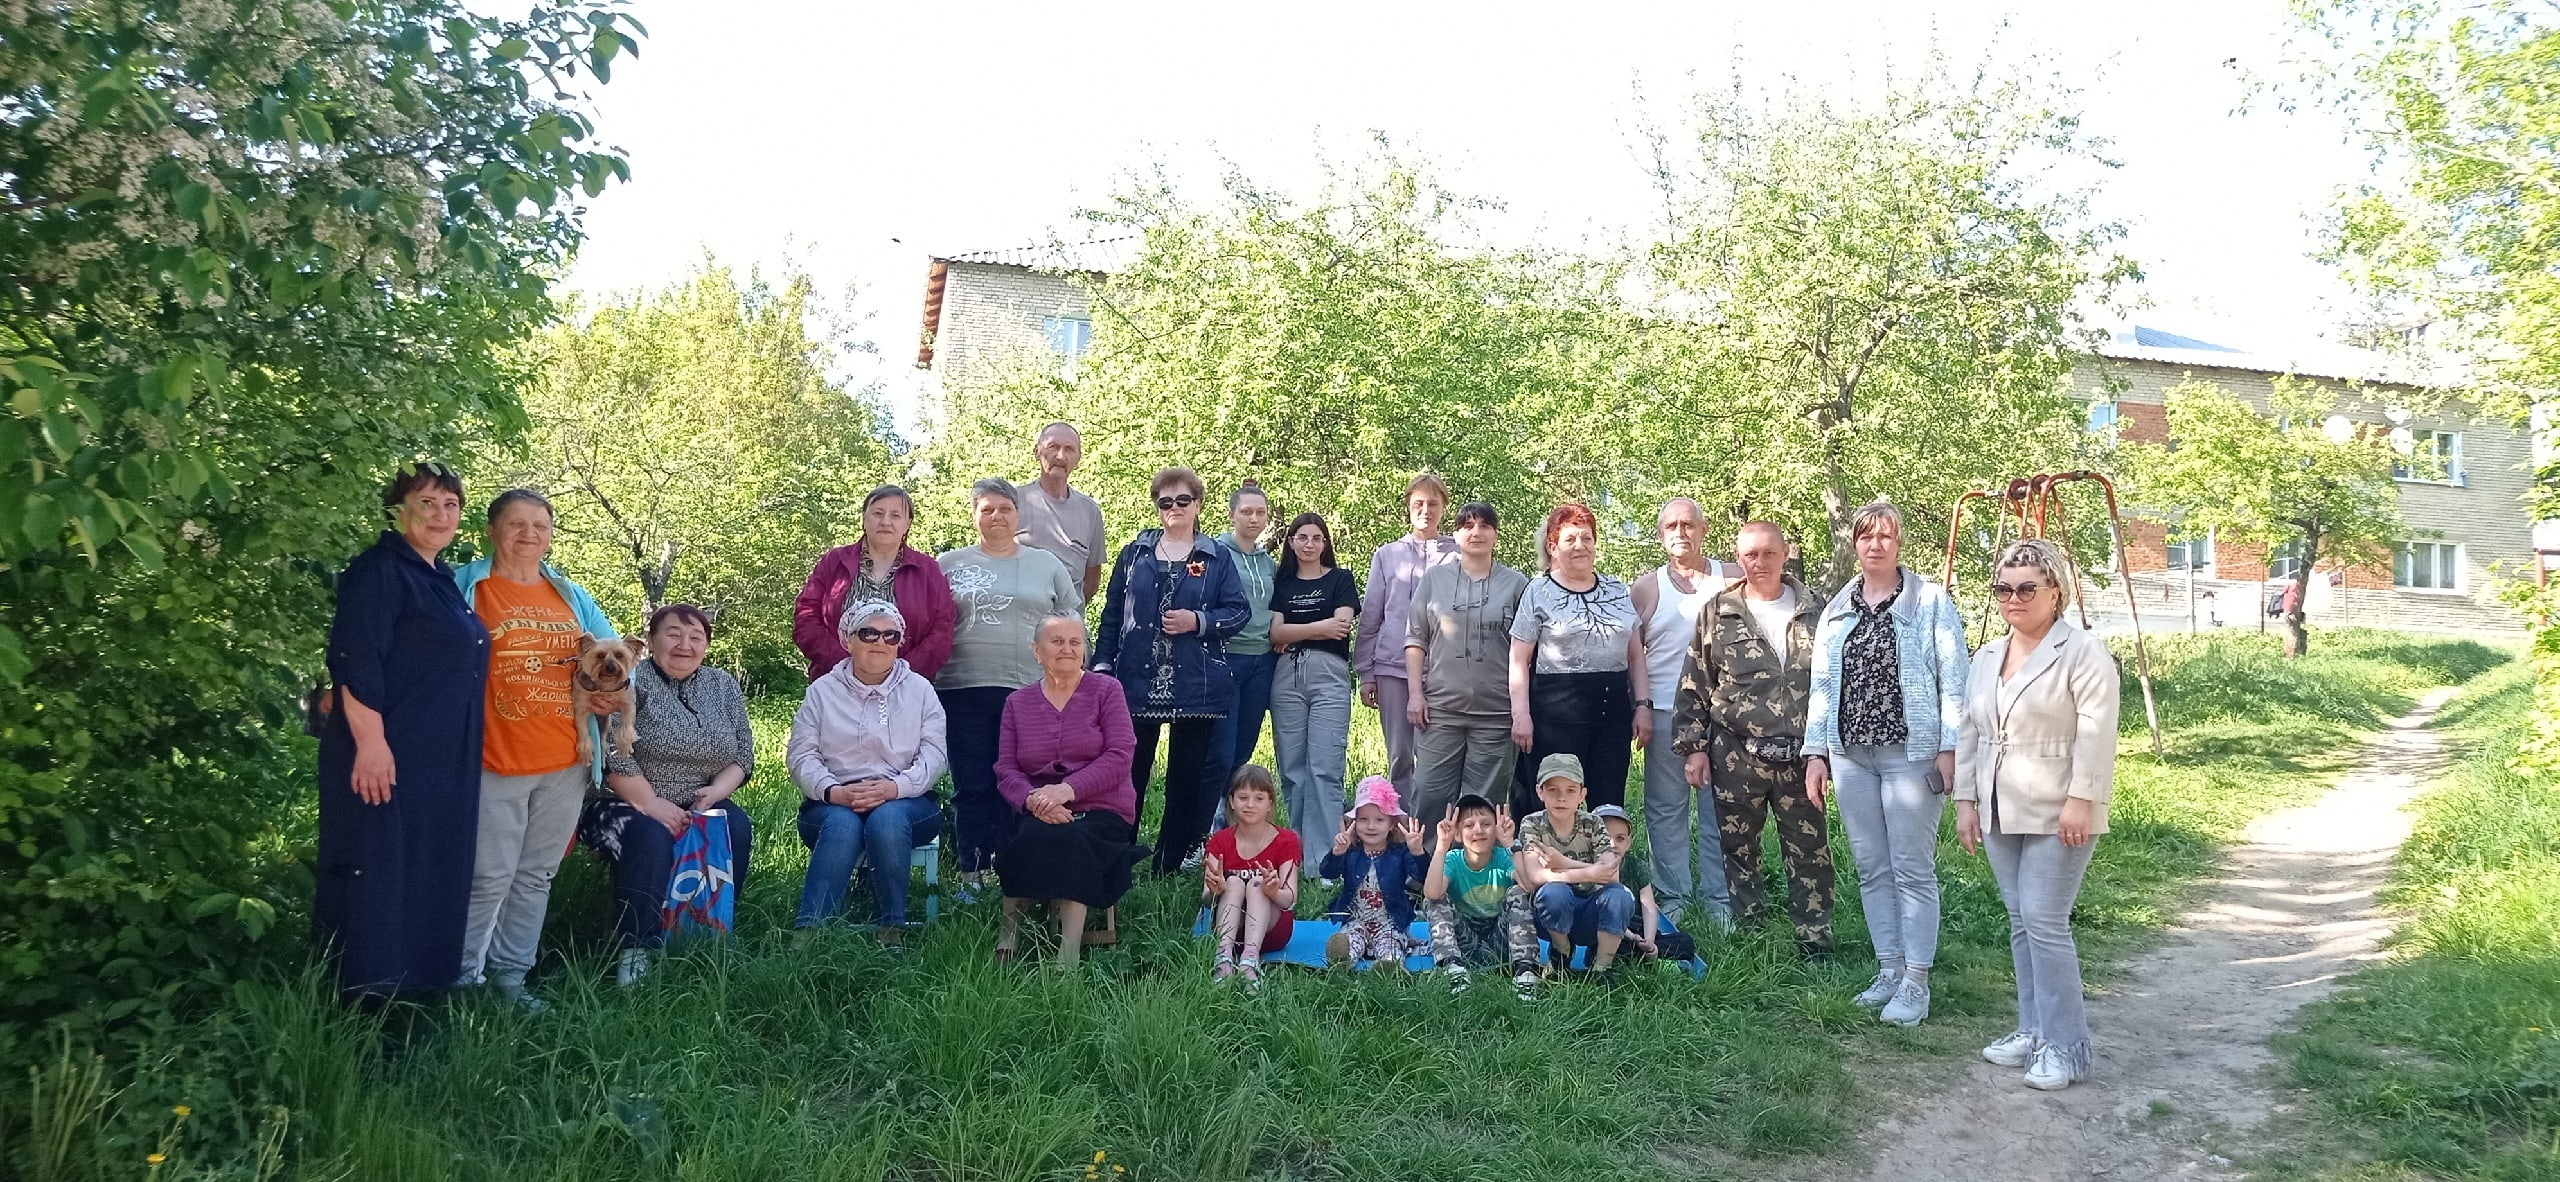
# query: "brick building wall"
{"type": "Point", "coordinates": [2481, 509]}
{"type": "Point", "coordinates": [991, 311]}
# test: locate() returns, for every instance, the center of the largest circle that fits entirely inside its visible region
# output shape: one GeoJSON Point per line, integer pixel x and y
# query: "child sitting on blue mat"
{"type": "Point", "coordinates": [1471, 895]}
{"type": "Point", "coordinates": [1250, 870]}
{"type": "Point", "coordinates": [1571, 871]}
{"type": "Point", "coordinates": [1378, 863]}
{"type": "Point", "coordinates": [1636, 876]}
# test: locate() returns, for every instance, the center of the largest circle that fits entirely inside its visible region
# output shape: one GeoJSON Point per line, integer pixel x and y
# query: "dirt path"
{"type": "Point", "coordinates": [2182, 1035]}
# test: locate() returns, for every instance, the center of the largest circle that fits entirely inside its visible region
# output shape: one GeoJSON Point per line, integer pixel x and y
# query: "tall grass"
{"type": "Point", "coordinates": [2446, 1058]}
{"type": "Point", "coordinates": [756, 1058]}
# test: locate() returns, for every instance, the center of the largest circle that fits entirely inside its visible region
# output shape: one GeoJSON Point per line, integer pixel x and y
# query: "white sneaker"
{"type": "Point", "coordinates": [2013, 1050]}
{"type": "Point", "coordinates": [634, 964]}
{"type": "Point", "coordinates": [2051, 1071]}
{"type": "Point", "coordinates": [1910, 1004]}
{"type": "Point", "coordinates": [520, 997]}
{"type": "Point", "coordinates": [1526, 985]}
{"type": "Point", "coordinates": [1881, 990]}
{"type": "Point", "coordinates": [1457, 979]}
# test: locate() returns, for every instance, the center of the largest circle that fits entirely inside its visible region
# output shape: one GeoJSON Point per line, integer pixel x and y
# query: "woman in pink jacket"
{"type": "Point", "coordinates": [881, 566]}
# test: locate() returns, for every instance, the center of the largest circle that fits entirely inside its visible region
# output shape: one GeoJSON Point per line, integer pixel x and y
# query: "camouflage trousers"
{"type": "Point", "coordinates": [1480, 943]}
{"type": "Point", "coordinates": [1748, 790]}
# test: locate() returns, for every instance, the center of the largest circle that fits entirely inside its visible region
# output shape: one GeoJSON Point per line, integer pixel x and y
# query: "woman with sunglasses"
{"type": "Point", "coordinates": [2035, 767]}
{"type": "Point", "coordinates": [1889, 668]}
{"type": "Point", "coordinates": [865, 748]}
{"type": "Point", "coordinates": [1313, 604]}
{"type": "Point", "coordinates": [1173, 601]}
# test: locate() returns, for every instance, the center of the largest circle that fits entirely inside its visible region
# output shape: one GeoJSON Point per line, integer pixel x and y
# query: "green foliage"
{"type": "Point", "coordinates": [252, 256]}
{"type": "Point", "coordinates": [1329, 349]}
{"type": "Point", "coordinates": [2458, 105]}
{"type": "Point", "coordinates": [1882, 302]}
{"type": "Point", "coordinates": [2446, 1057]}
{"type": "Point", "coordinates": [697, 452]}
{"type": "Point", "coordinates": [2298, 473]}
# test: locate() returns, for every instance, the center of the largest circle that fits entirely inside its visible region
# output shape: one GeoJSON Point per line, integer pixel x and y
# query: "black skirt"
{"type": "Point", "coordinates": [1086, 859]}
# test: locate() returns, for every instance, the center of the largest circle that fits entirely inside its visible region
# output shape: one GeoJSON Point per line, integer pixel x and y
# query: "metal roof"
{"type": "Point", "coordinates": [1100, 256]}
{"type": "Point", "coordinates": [2335, 362]}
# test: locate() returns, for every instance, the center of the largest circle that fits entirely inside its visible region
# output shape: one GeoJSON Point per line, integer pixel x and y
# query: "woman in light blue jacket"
{"type": "Point", "coordinates": [1888, 701]}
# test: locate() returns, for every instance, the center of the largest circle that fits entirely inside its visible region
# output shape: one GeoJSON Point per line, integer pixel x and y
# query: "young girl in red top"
{"type": "Point", "coordinates": [1251, 871]}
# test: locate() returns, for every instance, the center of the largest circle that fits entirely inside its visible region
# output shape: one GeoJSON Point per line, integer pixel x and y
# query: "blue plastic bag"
{"type": "Point", "coordinates": [702, 890]}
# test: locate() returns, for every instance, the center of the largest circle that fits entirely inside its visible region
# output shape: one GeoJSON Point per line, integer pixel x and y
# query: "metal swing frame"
{"type": "Point", "coordinates": [2034, 504]}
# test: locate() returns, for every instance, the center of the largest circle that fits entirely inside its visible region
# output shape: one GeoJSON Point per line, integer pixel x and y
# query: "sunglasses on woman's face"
{"type": "Point", "coordinates": [2025, 590]}
{"type": "Point", "coordinates": [879, 636]}
{"type": "Point", "coordinates": [1176, 501]}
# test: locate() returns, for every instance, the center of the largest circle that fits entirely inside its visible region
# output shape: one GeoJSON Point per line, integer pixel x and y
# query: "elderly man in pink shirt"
{"type": "Point", "coordinates": [1377, 652]}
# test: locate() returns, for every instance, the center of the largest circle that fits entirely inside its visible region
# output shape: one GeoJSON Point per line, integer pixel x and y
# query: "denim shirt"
{"type": "Point", "coordinates": [1929, 644]}
{"type": "Point", "coordinates": [1400, 870]}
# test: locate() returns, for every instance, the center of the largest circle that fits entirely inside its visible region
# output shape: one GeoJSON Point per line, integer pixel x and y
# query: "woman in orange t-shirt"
{"type": "Point", "coordinates": [532, 783]}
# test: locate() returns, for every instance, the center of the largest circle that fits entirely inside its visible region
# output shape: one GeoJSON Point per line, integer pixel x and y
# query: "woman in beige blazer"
{"type": "Point", "coordinates": [2035, 765]}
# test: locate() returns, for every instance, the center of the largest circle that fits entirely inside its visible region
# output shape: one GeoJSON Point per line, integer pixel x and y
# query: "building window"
{"type": "Point", "coordinates": [2285, 561]}
{"type": "Point", "coordinates": [1069, 336]}
{"type": "Point", "coordinates": [2428, 566]}
{"type": "Point", "coordinates": [2191, 551]}
{"type": "Point", "coordinates": [2434, 456]}
{"type": "Point", "coordinates": [2102, 417]}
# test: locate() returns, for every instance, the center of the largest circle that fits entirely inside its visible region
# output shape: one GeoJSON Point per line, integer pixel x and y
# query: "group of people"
{"type": "Point", "coordinates": [1500, 696]}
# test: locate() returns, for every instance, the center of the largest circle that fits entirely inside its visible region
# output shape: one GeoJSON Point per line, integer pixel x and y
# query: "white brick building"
{"type": "Point", "coordinates": [2469, 521]}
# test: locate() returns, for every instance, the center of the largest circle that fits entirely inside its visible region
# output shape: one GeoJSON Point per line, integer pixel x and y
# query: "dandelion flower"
{"type": "Point", "coordinates": [183, 1110]}
{"type": "Point", "coordinates": [1099, 1154]}
{"type": "Point", "coordinates": [156, 1159]}
{"type": "Point", "coordinates": [1119, 1169]}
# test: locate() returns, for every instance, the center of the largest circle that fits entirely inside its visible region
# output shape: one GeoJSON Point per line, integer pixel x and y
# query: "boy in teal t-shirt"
{"type": "Point", "coordinates": [1478, 913]}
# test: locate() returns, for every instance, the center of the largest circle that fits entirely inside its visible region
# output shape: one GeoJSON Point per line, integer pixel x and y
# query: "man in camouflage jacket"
{"type": "Point", "coordinates": [1739, 719]}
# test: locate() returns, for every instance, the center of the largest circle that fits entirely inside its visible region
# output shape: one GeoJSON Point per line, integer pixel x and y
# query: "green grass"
{"type": "Point", "coordinates": [2445, 1060]}
{"type": "Point", "coordinates": [840, 1060]}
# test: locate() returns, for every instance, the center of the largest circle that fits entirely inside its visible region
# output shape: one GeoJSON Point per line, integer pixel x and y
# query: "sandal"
{"type": "Point", "coordinates": [1004, 954]}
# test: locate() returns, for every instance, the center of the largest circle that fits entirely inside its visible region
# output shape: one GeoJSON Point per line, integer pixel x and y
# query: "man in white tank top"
{"type": "Point", "coordinates": [1668, 600]}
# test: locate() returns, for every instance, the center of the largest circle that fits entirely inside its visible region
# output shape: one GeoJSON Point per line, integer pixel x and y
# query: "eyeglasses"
{"type": "Point", "coordinates": [879, 636]}
{"type": "Point", "coordinates": [1176, 501]}
{"type": "Point", "coordinates": [2025, 590]}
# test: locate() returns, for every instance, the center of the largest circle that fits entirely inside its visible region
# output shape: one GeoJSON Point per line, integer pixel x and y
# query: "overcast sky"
{"type": "Point", "coordinates": [860, 138]}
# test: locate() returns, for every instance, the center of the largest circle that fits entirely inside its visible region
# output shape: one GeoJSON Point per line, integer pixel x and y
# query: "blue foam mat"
{"type": "Point", "coordinates": [1307, 940]}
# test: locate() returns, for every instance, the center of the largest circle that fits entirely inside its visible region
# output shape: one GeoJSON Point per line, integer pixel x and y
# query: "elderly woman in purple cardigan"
{"type": "Point", "coordinates": [1062, 762]}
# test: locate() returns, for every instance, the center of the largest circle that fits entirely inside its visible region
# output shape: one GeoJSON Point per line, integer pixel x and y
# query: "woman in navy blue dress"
{"type": "Point", "coordinates": [400, 758]}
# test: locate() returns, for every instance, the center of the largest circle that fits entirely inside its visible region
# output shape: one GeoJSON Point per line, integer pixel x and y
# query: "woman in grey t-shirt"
{"type": "Point", "coordinates": [1003, 589]}
{"type": "Point", "coordinates": [1577, 666]}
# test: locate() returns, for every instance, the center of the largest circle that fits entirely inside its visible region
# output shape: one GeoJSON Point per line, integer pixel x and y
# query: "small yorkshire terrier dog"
{"type": "Point", "coordinates": [603, 673]}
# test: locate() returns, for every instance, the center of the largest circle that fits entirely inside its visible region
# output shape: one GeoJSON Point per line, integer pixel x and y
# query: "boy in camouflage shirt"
{"type": "Point", "coordinates": [1571, 872]}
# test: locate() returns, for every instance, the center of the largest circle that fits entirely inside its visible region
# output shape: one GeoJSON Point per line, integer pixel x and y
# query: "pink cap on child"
{"type": "Point", "coordinates": [1380, 791]}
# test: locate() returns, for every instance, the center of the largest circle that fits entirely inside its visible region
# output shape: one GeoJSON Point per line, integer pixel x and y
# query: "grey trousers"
{"type": "Point", "coordinates": [1311, 734]}
{"type": "Point", "coordinates": [1892, 819]}
{"type": "Point", "coordinates": [2039, 878]}
{"type": "Point", "coordinates": [1679, 823]}
{"type": "Point", "coordinates": [1458, 754]}
{"type": "Point", "coordinates": [525, 825]}
{"type": "Point", "coordinates": [1393, 695]}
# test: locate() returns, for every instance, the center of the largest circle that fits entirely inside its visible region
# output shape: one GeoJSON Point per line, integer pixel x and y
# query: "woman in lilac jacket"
{"type": "Point", "coordinates": [1062, 762]}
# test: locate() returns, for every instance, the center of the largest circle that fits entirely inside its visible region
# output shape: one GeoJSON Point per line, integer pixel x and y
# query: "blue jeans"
{"type": "Point", "coordinates": [838, 836]}
{"type": "Point", "coordinates": [1584, 917]}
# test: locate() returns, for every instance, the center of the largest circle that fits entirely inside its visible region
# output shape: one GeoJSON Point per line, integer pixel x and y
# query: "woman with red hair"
{"type": "Point", "coordinates": [1577, 665]}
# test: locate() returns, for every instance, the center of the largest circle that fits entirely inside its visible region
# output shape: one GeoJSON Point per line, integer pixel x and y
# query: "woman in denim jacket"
{"type": "Point", "coordinates": [1173, 600]}
{"type": "Point", "coordinates": [1888, 699]}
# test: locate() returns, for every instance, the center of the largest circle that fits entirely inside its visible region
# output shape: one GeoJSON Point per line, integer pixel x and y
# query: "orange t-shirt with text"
{"type": "Point", "coordinates": [531, 631]}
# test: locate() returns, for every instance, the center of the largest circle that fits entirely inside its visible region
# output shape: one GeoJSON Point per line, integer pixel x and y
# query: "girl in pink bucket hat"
{"type": "Point", "coordinates": [1378, 858]}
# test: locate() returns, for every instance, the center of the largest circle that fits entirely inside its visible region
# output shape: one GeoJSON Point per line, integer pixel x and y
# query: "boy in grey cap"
{"type": "Point", "coordinates": [1571, 872]}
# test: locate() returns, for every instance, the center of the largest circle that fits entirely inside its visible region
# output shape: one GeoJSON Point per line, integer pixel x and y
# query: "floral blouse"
{"type": "Point", "coordinates": [1871, 678]}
